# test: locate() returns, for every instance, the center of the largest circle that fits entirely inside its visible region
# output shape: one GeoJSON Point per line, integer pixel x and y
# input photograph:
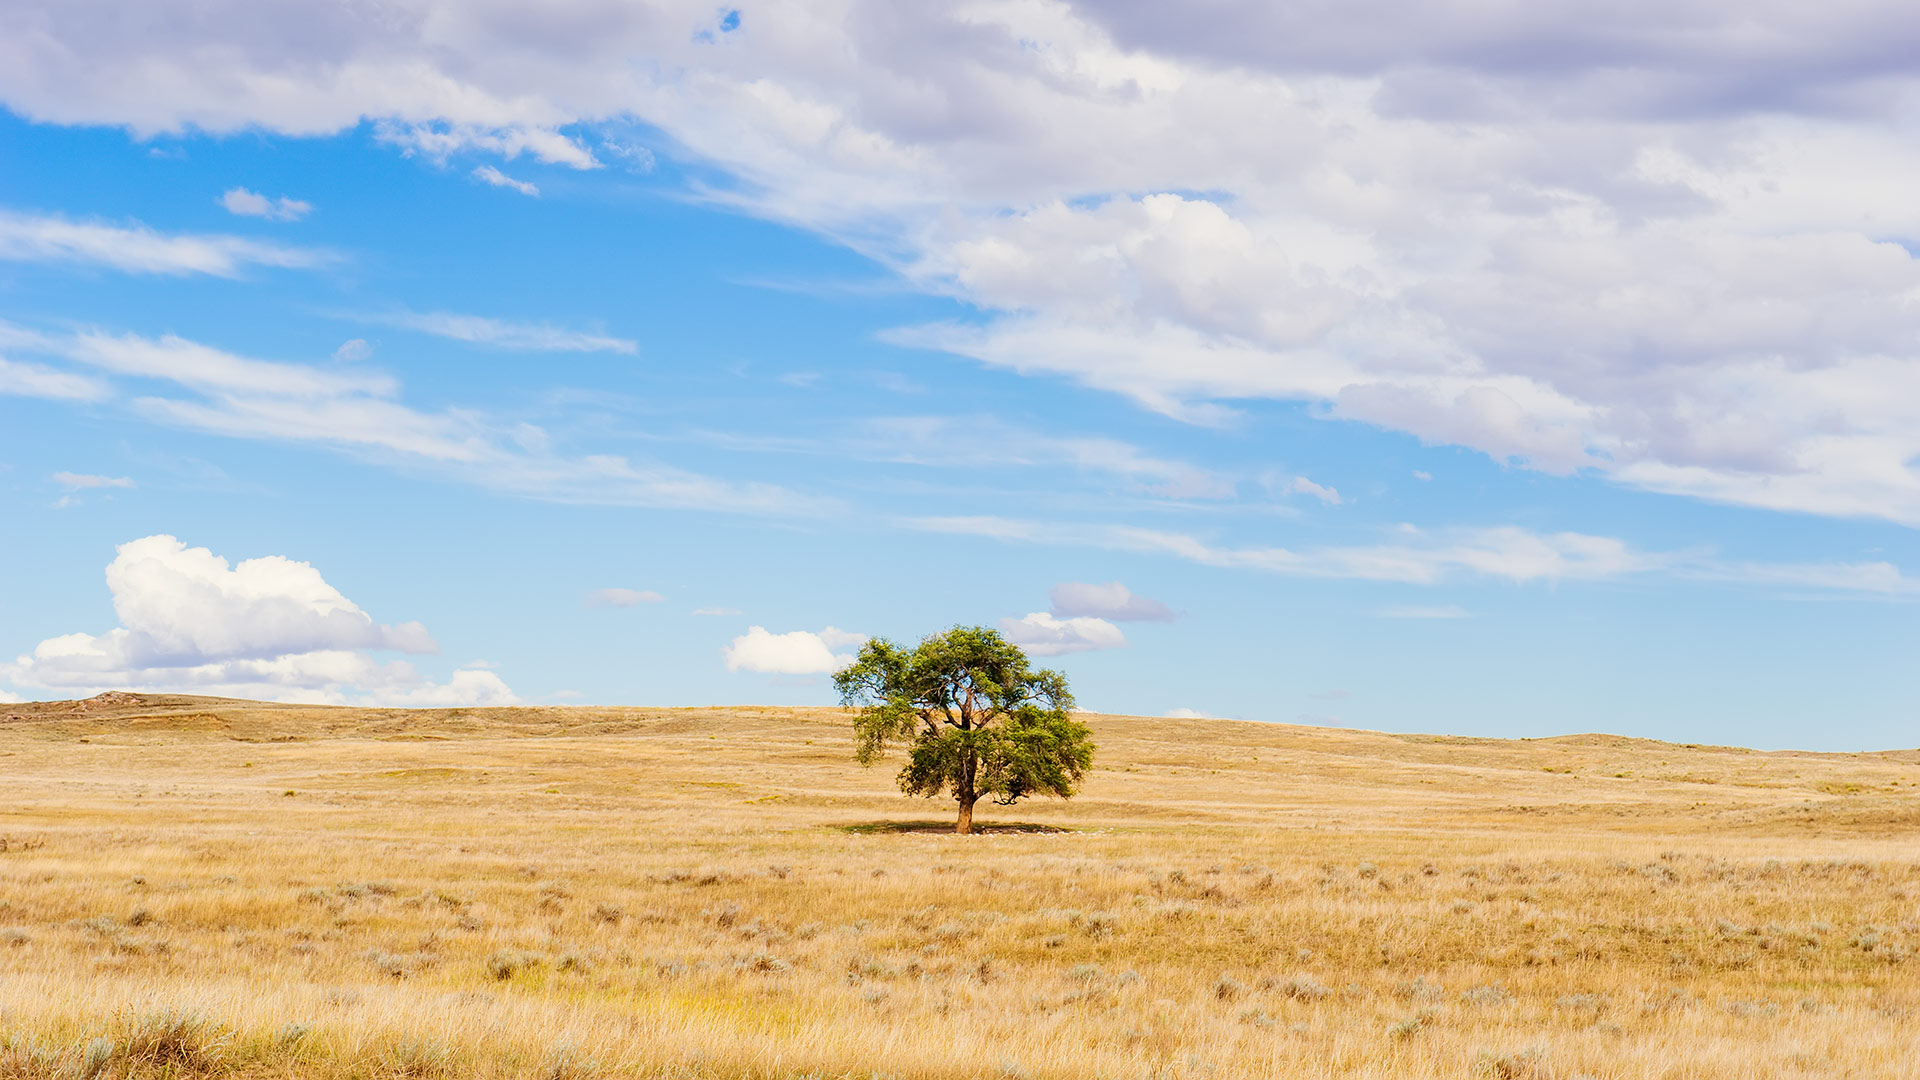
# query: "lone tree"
{"type": "Point", "coordinates": [976, 719]}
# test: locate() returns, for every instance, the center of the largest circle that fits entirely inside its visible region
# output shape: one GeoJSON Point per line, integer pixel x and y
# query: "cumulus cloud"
{"type": "Point", "coordinates": [1663, 244]}
{"type": "Point", "coordinates": [1043, 634]}
{"type": "Point", "coordinates": [467, 687]}
{"type": "Point", "coordinates": [267, 627]}
{"type": "Point", "coordinates": [622, 597]}
{"type": "Point", "coordinates": [81, 481]}
{"type": "Point", "coordinates": [1188, 714]}
{"type": "Point", "coordinates": [490, 175]}
{"type": "Point", "coordinates": [797, 652]}
{"type": "Point", "coordinates": [244, 203]}
{"type": "Point", "coordinates": [1112, 601]}
{"type": "Point", "coordinates": [138, 249]}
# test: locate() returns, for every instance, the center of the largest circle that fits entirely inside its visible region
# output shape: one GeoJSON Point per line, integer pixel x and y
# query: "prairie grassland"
{"type": "Point", "coordinates": [193, 887]}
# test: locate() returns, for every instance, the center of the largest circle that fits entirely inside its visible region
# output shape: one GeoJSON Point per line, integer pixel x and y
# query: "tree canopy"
{"type": "Point", "coordinates": [977, 720]}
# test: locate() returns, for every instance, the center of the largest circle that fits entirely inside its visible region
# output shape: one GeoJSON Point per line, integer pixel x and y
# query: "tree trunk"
{"type": "Point", "coordinates": [965, 825]}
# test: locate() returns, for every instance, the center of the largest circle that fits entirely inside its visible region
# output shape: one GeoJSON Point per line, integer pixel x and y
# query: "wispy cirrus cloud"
{"type": "Point", "coordinates": [1500, 552]}
{"type": "Point", "coordinates": [243, 203]}
{"type": "Point", "coordinates": [509, 139]}
{"type": "Point", "coordinates": [986, 441]}
{"type": "Point", "coordinates": [1300, 485]}
{"type": "Point", "coordinates": [135, 248]}
{"type": "Point", "coordinates": [487, 174]}
{"type": "Point", "coordinates": [624, 598]}
{"type": "Point", "coordinates": [36, 380]}
{"type": "Point", "coordinates": [1422, 557]}
{"type": "Point", "coordinates": [83, 481]}
{"type": "Point", "coordinates": [500, 333]}
{"type": "Point", "coordinates": [361, 413]}
{"type": "Point", "coordinates": [982, 442]}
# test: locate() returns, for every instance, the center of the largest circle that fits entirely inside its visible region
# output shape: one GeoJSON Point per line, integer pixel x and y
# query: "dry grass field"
{"type": "Point", "coordinates": [203, 888]}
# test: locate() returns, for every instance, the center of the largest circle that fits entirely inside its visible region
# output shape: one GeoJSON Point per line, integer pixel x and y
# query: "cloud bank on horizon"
{"type": "Point", "coordinates": [1669, 244]}
{"type": "Point", "coordinates": [268, 627]}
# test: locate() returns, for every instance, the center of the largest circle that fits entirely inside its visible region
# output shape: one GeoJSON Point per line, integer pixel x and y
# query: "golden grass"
{"type": "Point", "coordinates": [193, 887]}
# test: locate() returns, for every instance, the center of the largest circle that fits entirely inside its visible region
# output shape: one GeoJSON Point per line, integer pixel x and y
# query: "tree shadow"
{"type": "Point", "coordinates": [869, 828]}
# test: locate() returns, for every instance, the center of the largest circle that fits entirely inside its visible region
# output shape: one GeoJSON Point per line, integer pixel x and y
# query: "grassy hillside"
{"type": "Point", "coordinates": [195, 886]}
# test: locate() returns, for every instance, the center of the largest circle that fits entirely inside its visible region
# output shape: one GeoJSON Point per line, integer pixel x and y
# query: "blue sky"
{"type": "Point", "coordinates": [654, 359]}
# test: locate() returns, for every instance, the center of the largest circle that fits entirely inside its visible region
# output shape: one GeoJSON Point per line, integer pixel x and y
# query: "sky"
{"type": "Point", "coordinates": [1507, 369]}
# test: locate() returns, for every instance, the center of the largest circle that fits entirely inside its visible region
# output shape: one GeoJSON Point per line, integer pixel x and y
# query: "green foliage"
{"type": "Point", "coordinates": [976, 719]}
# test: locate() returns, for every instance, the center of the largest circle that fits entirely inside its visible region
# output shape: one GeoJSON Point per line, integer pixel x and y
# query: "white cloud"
{"type": "Point", "coordinates": [78, 481]}
{"type": "Point", "coordinates": [1505, 552]}
{"type": "Point", "coordinates": [980, 441]}
{"type": "Point", "coordinates": [138, 249]}
{"type": "Point", "coordinates": [1188, 714]}
{"type": "Point", "coordinates": [1431, 558]}
{"type": "Point", "coordinates": [502, 333]}
{"type": "Point", "coordinates": [491, 175]}
{"type": "Point", "coordinates": [837, 638]}
{"type": "Point", "coordinates": [352, 351]}
{"type": "Point", "coordinates": [638, 158]}
{"type": "Point", "coordinates": [506, 138]}
{"type": "Point", "coordinates": [181, 601]}
{"type": "Point", "coordinates": [1303, 486]}
{"type": "Point", "coordinates": [34, 380]}
{"type": "Point", "coordinates": [467, 687]}
{"type": "Point", "coordinates": [267, 627]}
{"type": "Point", "coordinates": [240, 201]}
{"type": "Point", "coordinates": [189, 363]}
{"type": "Point", "coordinates": [1866, 577]}
{"type": "Point", "coordinates": [622, 597]}
{"type": "Point", "coordinates": [976, 443]}
{"type": "Point", "coordinates": [1112, 601]}
{"type": "Point", "coordinates": [797, 652]}
{"type": "Point", "coordinates": [1662, 247]}
{"type": "Point", "coordinates": [356, 412]}
{"type": "Point", "coordinates": [1043, 634]}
